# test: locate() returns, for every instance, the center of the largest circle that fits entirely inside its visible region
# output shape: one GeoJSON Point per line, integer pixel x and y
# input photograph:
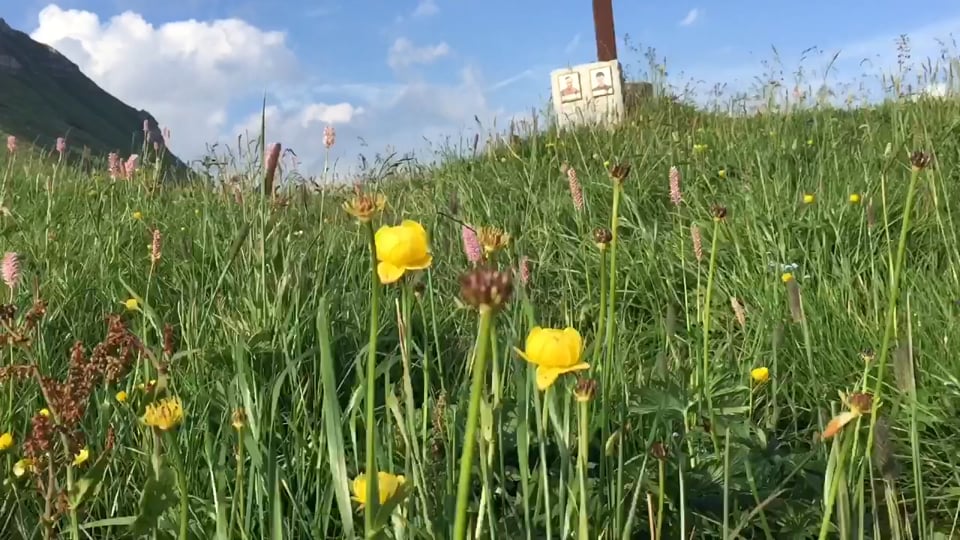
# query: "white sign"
{"type": "Point", "coordinates": [588, 94]}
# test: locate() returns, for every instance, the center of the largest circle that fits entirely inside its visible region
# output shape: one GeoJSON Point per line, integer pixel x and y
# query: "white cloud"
{"type": "Point", "coordinates": [404, 53]}
{"type": "Point", "coordinates": [426, 8]}
{"type": "Point", "coordinates": [186, 73]}
{"type": "Point", "coordinates": [692, 16]}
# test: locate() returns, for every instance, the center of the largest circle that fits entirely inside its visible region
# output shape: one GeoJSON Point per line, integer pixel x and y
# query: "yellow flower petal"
{"type": "Point", "coordinates": [6, 441]}
{"type": "Point", "coordinates": [546, 376]}
{"type": "Point", "coordinates": [389, 273]}
{"type": "Point", "coordinates": [837, 423]}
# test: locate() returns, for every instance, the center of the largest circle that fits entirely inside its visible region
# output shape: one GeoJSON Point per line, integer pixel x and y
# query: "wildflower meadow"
{"type": "Point", "coordinates": [694, 325]}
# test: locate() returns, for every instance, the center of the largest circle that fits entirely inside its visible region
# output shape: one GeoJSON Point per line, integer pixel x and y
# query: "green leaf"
{"type": "Point", "coordinates": [89, 484]}
{"type": "Point", "coordinates": [159, 495]}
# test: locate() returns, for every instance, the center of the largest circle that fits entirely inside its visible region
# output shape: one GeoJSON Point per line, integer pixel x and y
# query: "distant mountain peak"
{"type": "Point", "coordinates": [43, 95]}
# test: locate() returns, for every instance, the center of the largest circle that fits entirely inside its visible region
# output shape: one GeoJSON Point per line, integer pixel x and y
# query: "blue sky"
{"type": "Point", "coordinates": [394, 73]}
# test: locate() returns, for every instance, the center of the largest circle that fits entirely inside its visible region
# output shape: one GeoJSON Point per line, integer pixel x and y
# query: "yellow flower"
{"type": "Point", "coordinates": [700, 148]}
{"type": "Point", "coordinates": [165, 414]}
{"type": "Point", "coordinates": [808, 198]}
{"type": "Point", "coordinates": [787, 277]}
{"type": "Point", "coordinates": [22, 467]}
{"type": "Point", "coordinates": [363, 206]}
{"type": "Point", "coordinates": [131, 304]}
{"type": "Point", "coordinates": [401, 248]}
{"type": "Point", "coordinates": [492, 239]}
{"type": "Point", "coordinates": [554, 352]}
{"type": "Point", "coordinates": [45, 412]}
{"type": "Point", "coordinates": [387, 486]}
{"type": "Point", "coordinates": [138, 215]}
{"type": "Point", "coordinates": [82, 456]}
{"type": "Point", "coordinates": [760, 375]}
{"type": "Point", "coordinates": [121, 396]}
{"type": "Point", "coordinates": [809, 142]}
{"type": "Point", "coordinates": [722, 173]}
{"type": "Point", "coordinates": [6, 441]}
{"type": "Point", "coordinates": [854, 198]}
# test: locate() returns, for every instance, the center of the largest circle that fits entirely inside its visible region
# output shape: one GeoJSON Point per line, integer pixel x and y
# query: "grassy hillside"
{"type": "Point", "coordinates": [44, 96]}
{"type": "Point", "coordinates": [791, 249]}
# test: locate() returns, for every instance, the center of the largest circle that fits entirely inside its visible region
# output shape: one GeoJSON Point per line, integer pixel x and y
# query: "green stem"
{"type": "Point", "coordinates": [371, 428]}
{"type": "Point", "coordinates": [582, 439]}
{"type": "Point", "coordinates": [174, 452]}
{"type": "Point", "coordinates": [884, 351]}
{"type": "Point", "coordinates": [611, 300]}
{"type": "Point", "coordinates": [708, 296]}
{"type": "Point", "coordinates": [473, 413]}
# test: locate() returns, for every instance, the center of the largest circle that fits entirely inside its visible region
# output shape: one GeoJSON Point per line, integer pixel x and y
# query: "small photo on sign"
{"type": "Point", "coordinates": [570, 87]}
{"type": "Point", "coordinates": [601, 82]}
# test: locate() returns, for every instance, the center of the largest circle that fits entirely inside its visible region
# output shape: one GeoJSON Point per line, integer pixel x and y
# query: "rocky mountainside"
{"type": "Point", "coordinates": [44, 96]}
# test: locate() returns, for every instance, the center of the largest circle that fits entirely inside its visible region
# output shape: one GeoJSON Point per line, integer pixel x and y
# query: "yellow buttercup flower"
{"type": "Point", "coordinates": [401, 248]}
{"type": "Point", "coordinates": [22, 467]}
{"type": "Point", "coordinates": [6, 441]}
{"type": "Point", "coordinates": [82, 456]}
{"type": "Point", "coordinates": [132, 304]}
{"type": "Point", "coordinates": [387, 487]}
{"type": "Point", "coordinates": [854, 198]}
{"type": "Point", "coordinates": [138, 215]}
{"type": "Point", "coordinates": [121, 396]}
{"type": "Point", "coordinates": [786, 277]}
{"type": "Point", "coordinates": [363, 206]}
{"type": "Point", "coordinates": [722, 173]}
{"type": "Point", "coordinates": [45, 412]}
{"type": "Point", "coordinates": [554, 352]}
{"type": "Point", "coordinates": [808, 198]}
{"type": "Point", "coordinates": [760, 375]}
{"type": "Point", "coordinates": [165, 414]}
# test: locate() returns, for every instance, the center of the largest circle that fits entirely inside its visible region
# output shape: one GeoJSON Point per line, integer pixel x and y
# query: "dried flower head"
{"type": "Point", "coordinates": [585, 390]}
{"type": "Point", "coordinates": [493, 239]}
{"type": "Point", "coordinates": [10, 269]}
{"type": "Point", "coordinates": [659, 451]}
{"type": "Point", "coordinates": [602, 237]}
{"type": "Point", "coordinates": [858, 404]}
{"type": "Point", "coordinates": [619, 173]}
{"type": "Point", "coordinates": [739, 311]}
{"type": "Point", "coordinates": [719, 212]}
{"type": "Point", "coordinates": [920, 160]}
{"type": "Point", "coordinates": [238, 419]}
{"type": "Point", "coordinates": [867, 355]}
{"type": "Point", "coordinates": [363, 206]}
{"type": "Point", "coordinates": [486, 288]}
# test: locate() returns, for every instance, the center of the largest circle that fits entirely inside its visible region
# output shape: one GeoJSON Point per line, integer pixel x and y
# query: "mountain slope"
{"type": "Point", "coordinates": [43, 95]}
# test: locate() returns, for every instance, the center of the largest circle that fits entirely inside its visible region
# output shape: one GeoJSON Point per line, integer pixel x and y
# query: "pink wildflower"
{"type": "Point", "coordinates": [130, 167]}
{"type": "Point", "coordinates": [113, 165]}
{"type": "Point", "coordinates": [329, 136]}
{"type": "Point", "coordinates": [155, 246]}
{"type": "Point", "coordinates": [166, 136]}
{"type": "Point", "coordinates": [471, 244]}
{"type": "Point", "coordinates": [11, 144]}
{"type": "Point", "coordinates": [146, 126]}
{"type": "Point", "coordinates": [61, 145]}
{"type": "Point", "coordinates": [576, 192]}
{"type": "Point", "coordinates": [675, 196]}
{"type": "Point", "coordinates": [524, 270]}
{"type": "Point", "coordinates": [10, 269]}
{"type": "Point", "coordinates": [697, 242]}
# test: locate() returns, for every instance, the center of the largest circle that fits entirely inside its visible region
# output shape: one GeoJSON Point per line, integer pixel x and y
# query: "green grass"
{"type": "Point", "coordinates": [269, 306]}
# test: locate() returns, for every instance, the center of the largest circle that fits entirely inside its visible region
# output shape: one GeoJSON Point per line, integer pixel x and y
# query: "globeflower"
{"type": "Point", "coordinates": [554, 352]}
{"type": "Point", "coordinates": [387, 487]}
{"type": "Point", "coordinates": [401, 248]}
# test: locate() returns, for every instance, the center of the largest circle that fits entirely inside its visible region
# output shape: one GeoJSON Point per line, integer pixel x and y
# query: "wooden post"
{"type": "Point", "coordinates": [603, 28]}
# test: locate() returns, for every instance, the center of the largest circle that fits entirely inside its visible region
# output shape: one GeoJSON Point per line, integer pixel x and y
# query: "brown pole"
{"type": "Point", "coordinates": [603, 28]}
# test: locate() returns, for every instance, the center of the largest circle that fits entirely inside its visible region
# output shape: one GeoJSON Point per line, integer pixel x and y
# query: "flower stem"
{"type": "Point", "coordinates": [705, 381]}
{"type": "Point", "coordinates": [371, 468]}
{"type": "Point", "coordinates": [473, 413]}
{"type": "Point", "coordinates": [582, 439]}
{"type": "Point", "coordinates": [174, 452]}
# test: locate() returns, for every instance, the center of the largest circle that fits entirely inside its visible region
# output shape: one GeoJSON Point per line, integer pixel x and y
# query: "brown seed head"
{"type": "Point", "coordinates": [585, 390]}
{"type": "Point", "coordinates": [719, 212]}
{"type": "Point", "coordinates": [602, 237]}
{"type": "Point", "coordinates": [619, 173]}
{"type": "Point", "coordinates": [920, 160]}
{"type": "Point", "coordinates": [658, 451]}
{"type": "Point", "coordinates": [363, 206]}
{"type": "Point", "coordinates": [486, 288]}
{"type": "Point", "coordinates": [860, 402]}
